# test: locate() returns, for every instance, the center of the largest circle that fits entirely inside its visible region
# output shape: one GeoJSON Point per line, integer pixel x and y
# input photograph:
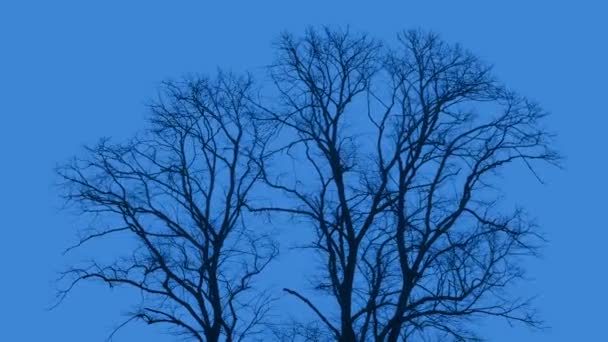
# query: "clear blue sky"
{"type": "Point", "coordinates": [72, 71]}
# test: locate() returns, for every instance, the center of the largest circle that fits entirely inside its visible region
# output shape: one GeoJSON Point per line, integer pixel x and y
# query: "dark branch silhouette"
{"type": "Point", "coordinates": [179, 192]}
{"type": "Point", "coordinates": [391, 155]}
{"type": "Point", "coordinates": [397, 152]}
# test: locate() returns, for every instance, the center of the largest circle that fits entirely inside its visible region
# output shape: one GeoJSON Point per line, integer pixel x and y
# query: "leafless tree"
{"type": "Point", "coordinates": [396, 154]}
{"type": "Point", "coordinates": [396, 157]}
{"type": "Point", "coordinates": [178, 192]}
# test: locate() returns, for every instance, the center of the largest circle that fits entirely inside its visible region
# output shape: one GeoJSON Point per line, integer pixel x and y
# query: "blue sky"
{"type": "Point", "coordinates": [72, 71]}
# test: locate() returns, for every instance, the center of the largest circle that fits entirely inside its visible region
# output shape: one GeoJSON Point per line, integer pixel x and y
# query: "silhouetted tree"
{"type": "Point", "coordinates": [179, 192]}
{"type": "Point", "coordinates": [395, 155]}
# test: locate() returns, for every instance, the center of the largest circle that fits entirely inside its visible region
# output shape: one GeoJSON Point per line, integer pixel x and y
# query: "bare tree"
{"type": "Point", "coordinates": [397, 153]}
{"type": "Point", "coordinates": [179, 193]}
